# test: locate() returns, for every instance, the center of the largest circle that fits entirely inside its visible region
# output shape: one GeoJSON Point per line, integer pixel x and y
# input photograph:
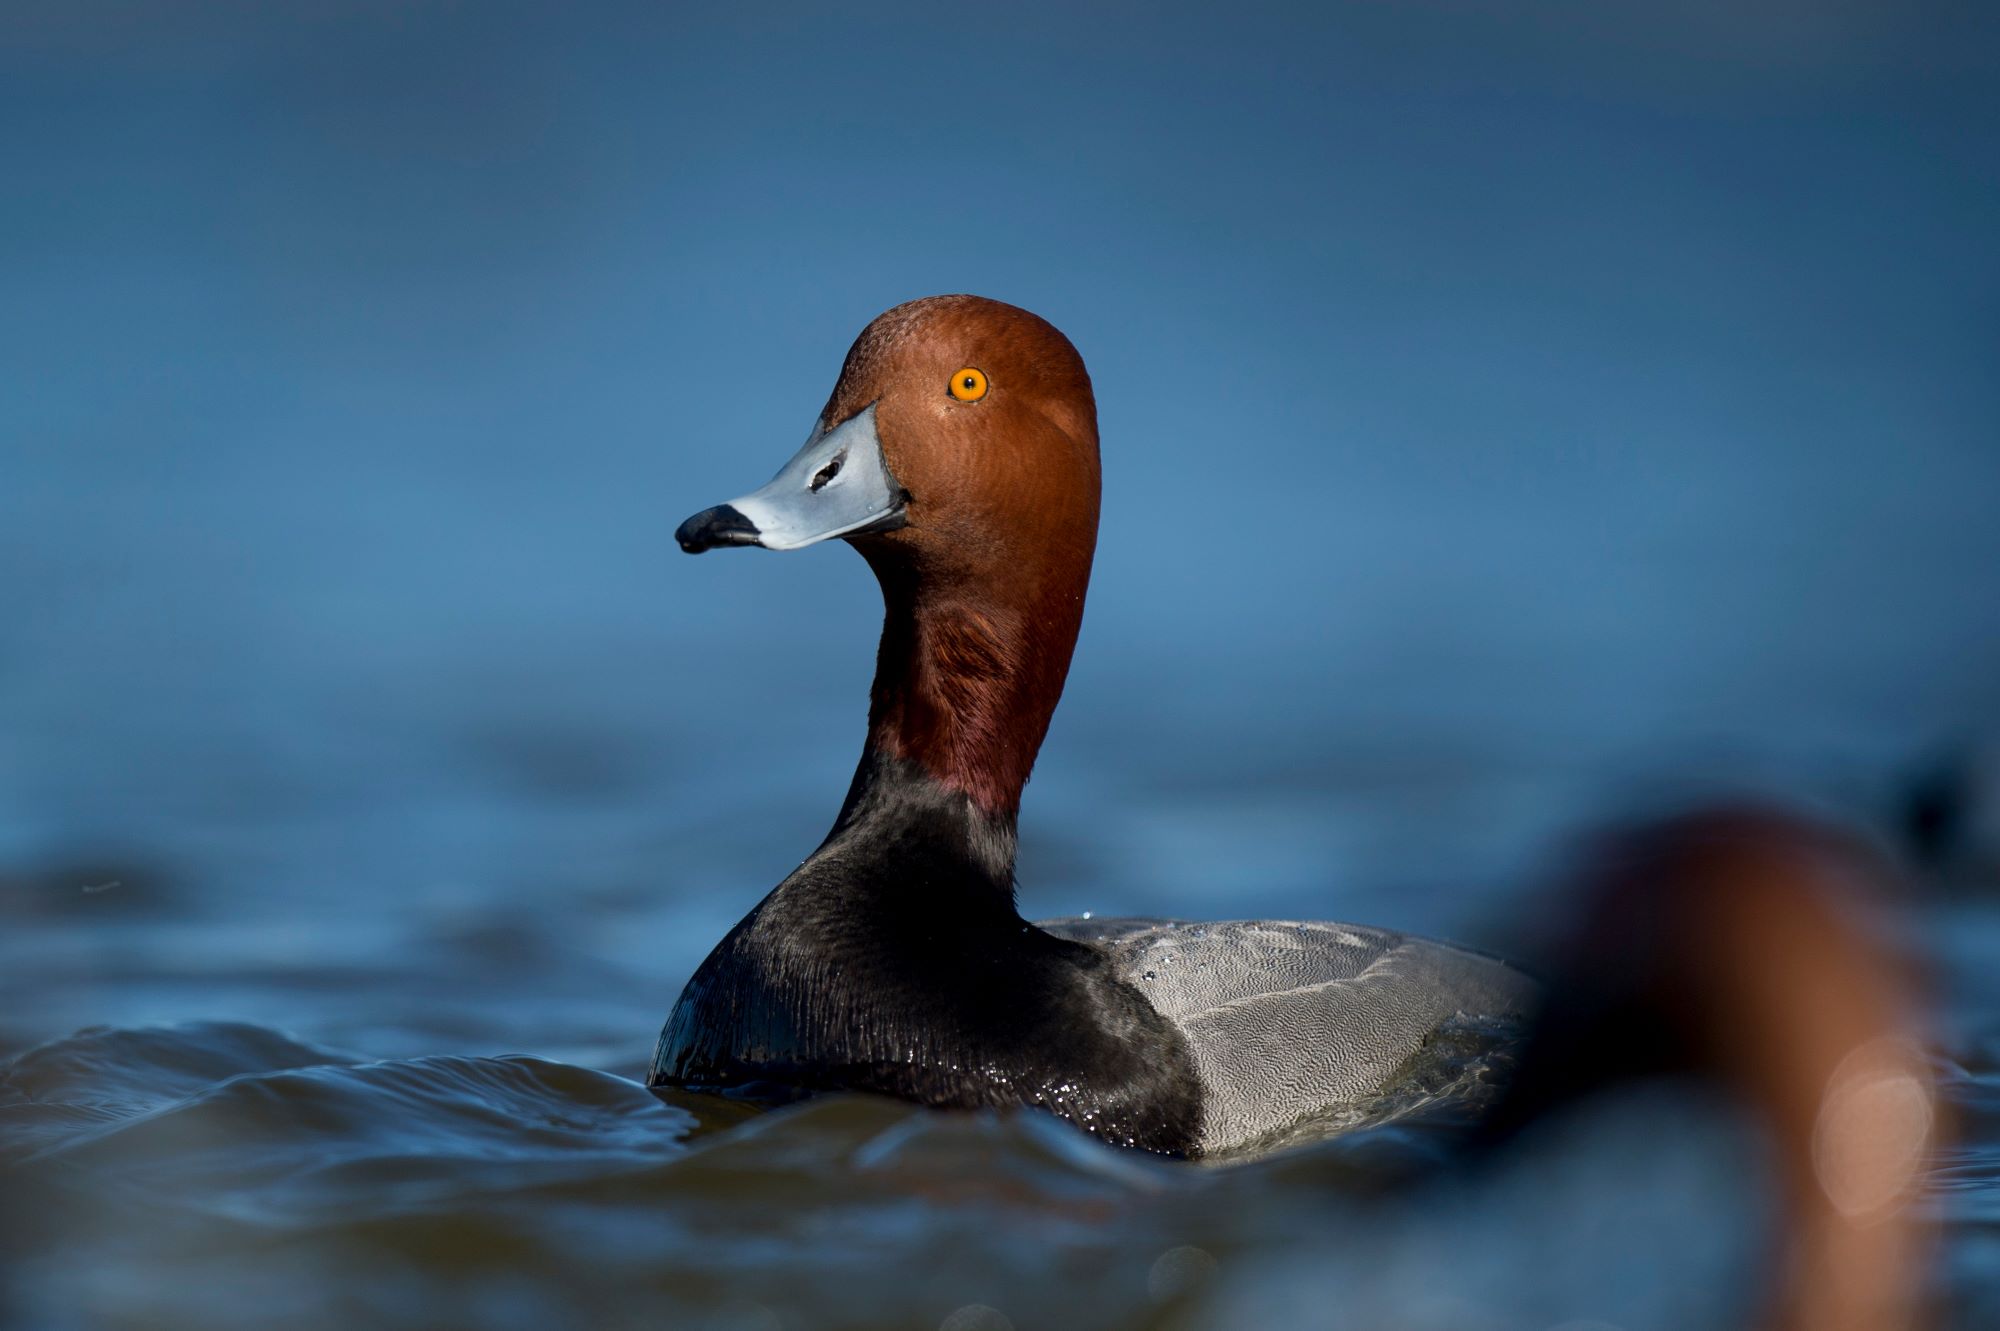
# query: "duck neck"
{"type": "Point", "coordinates": [964, 689]}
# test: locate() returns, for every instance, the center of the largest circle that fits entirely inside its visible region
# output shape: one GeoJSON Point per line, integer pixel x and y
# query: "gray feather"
{"type": "Point", "coordinates": [1287, 1020]}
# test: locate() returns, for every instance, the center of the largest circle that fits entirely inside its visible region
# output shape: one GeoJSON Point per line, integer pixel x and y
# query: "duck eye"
{"type": "Point", "coordinates": [968, 385]}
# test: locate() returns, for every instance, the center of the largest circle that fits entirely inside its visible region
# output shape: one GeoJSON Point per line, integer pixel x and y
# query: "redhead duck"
{"type": "Point", "coordinates": [958, 454]}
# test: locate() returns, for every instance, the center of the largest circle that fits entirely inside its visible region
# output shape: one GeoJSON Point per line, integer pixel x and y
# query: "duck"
{"type": "Point", "coordinates": [958, 454]}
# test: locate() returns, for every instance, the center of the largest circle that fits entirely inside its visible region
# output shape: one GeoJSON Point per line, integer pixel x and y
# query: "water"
{"type": "Point", "coordinates": [414, 1109]}
{"type": "Point", "coordinates": [1506, 424]}
{"type": "Point", "coordinates": [515, 1191]}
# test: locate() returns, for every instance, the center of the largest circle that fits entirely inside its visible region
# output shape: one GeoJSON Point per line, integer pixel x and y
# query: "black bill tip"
{"type": "Point", "coordinates": [721, 525]}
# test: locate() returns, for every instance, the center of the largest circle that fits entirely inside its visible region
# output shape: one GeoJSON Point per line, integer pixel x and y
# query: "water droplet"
{"type": "Point", "coordinates": [1151, 975]}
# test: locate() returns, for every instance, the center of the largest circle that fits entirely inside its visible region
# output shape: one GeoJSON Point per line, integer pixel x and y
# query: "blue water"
{"type": "Point", "coordinates": [1508, 422]}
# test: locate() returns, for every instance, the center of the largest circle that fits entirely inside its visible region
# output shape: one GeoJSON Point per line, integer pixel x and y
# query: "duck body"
{"type": "Point", "coordinates": [891, 962]}
{"type": "Point", "coordinates": [958, 454]}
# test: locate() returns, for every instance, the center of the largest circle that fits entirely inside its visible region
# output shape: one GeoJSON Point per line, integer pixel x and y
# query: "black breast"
{"type": "Point", "coordinates": [894, 961]}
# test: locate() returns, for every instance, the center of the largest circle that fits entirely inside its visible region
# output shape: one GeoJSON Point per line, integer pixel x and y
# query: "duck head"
{"type": "Point", "coordinates": [958, 454]}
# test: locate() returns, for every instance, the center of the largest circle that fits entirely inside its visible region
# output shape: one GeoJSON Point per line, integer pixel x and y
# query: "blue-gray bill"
{"type": "Point", "coordinates": [837, 485]}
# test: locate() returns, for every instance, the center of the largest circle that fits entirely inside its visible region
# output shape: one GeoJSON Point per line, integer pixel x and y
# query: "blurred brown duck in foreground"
{"type": "Point", "coordinates": [1739, 947]}
{"type": "Point", "coordinates": [958, 453]}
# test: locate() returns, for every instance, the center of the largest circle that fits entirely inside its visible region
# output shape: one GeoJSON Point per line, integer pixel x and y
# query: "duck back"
{"type": "Point", "coordinates": [1285, 1020]}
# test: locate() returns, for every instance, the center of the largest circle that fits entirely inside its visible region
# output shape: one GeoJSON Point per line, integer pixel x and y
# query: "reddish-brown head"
{"type": "Point", "coordinates": [958, 453]}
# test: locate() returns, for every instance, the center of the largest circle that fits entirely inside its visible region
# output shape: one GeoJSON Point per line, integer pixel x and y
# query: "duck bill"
{"type": "Point", "coordinates": [837, 485]}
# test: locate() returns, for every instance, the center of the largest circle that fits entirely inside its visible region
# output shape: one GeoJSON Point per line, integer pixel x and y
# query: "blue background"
{"type": "Point", "coordinates": [1508, 417]}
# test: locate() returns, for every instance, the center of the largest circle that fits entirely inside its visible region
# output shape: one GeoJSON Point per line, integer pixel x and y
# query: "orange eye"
{"type": "Point", "coordinates": [968, 385]}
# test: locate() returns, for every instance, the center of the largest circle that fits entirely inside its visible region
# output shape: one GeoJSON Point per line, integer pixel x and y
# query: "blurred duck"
{"type": "Point", "coordinates": [1741, 949]}
{"type": "Point", "coordinates": [958, 454]}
